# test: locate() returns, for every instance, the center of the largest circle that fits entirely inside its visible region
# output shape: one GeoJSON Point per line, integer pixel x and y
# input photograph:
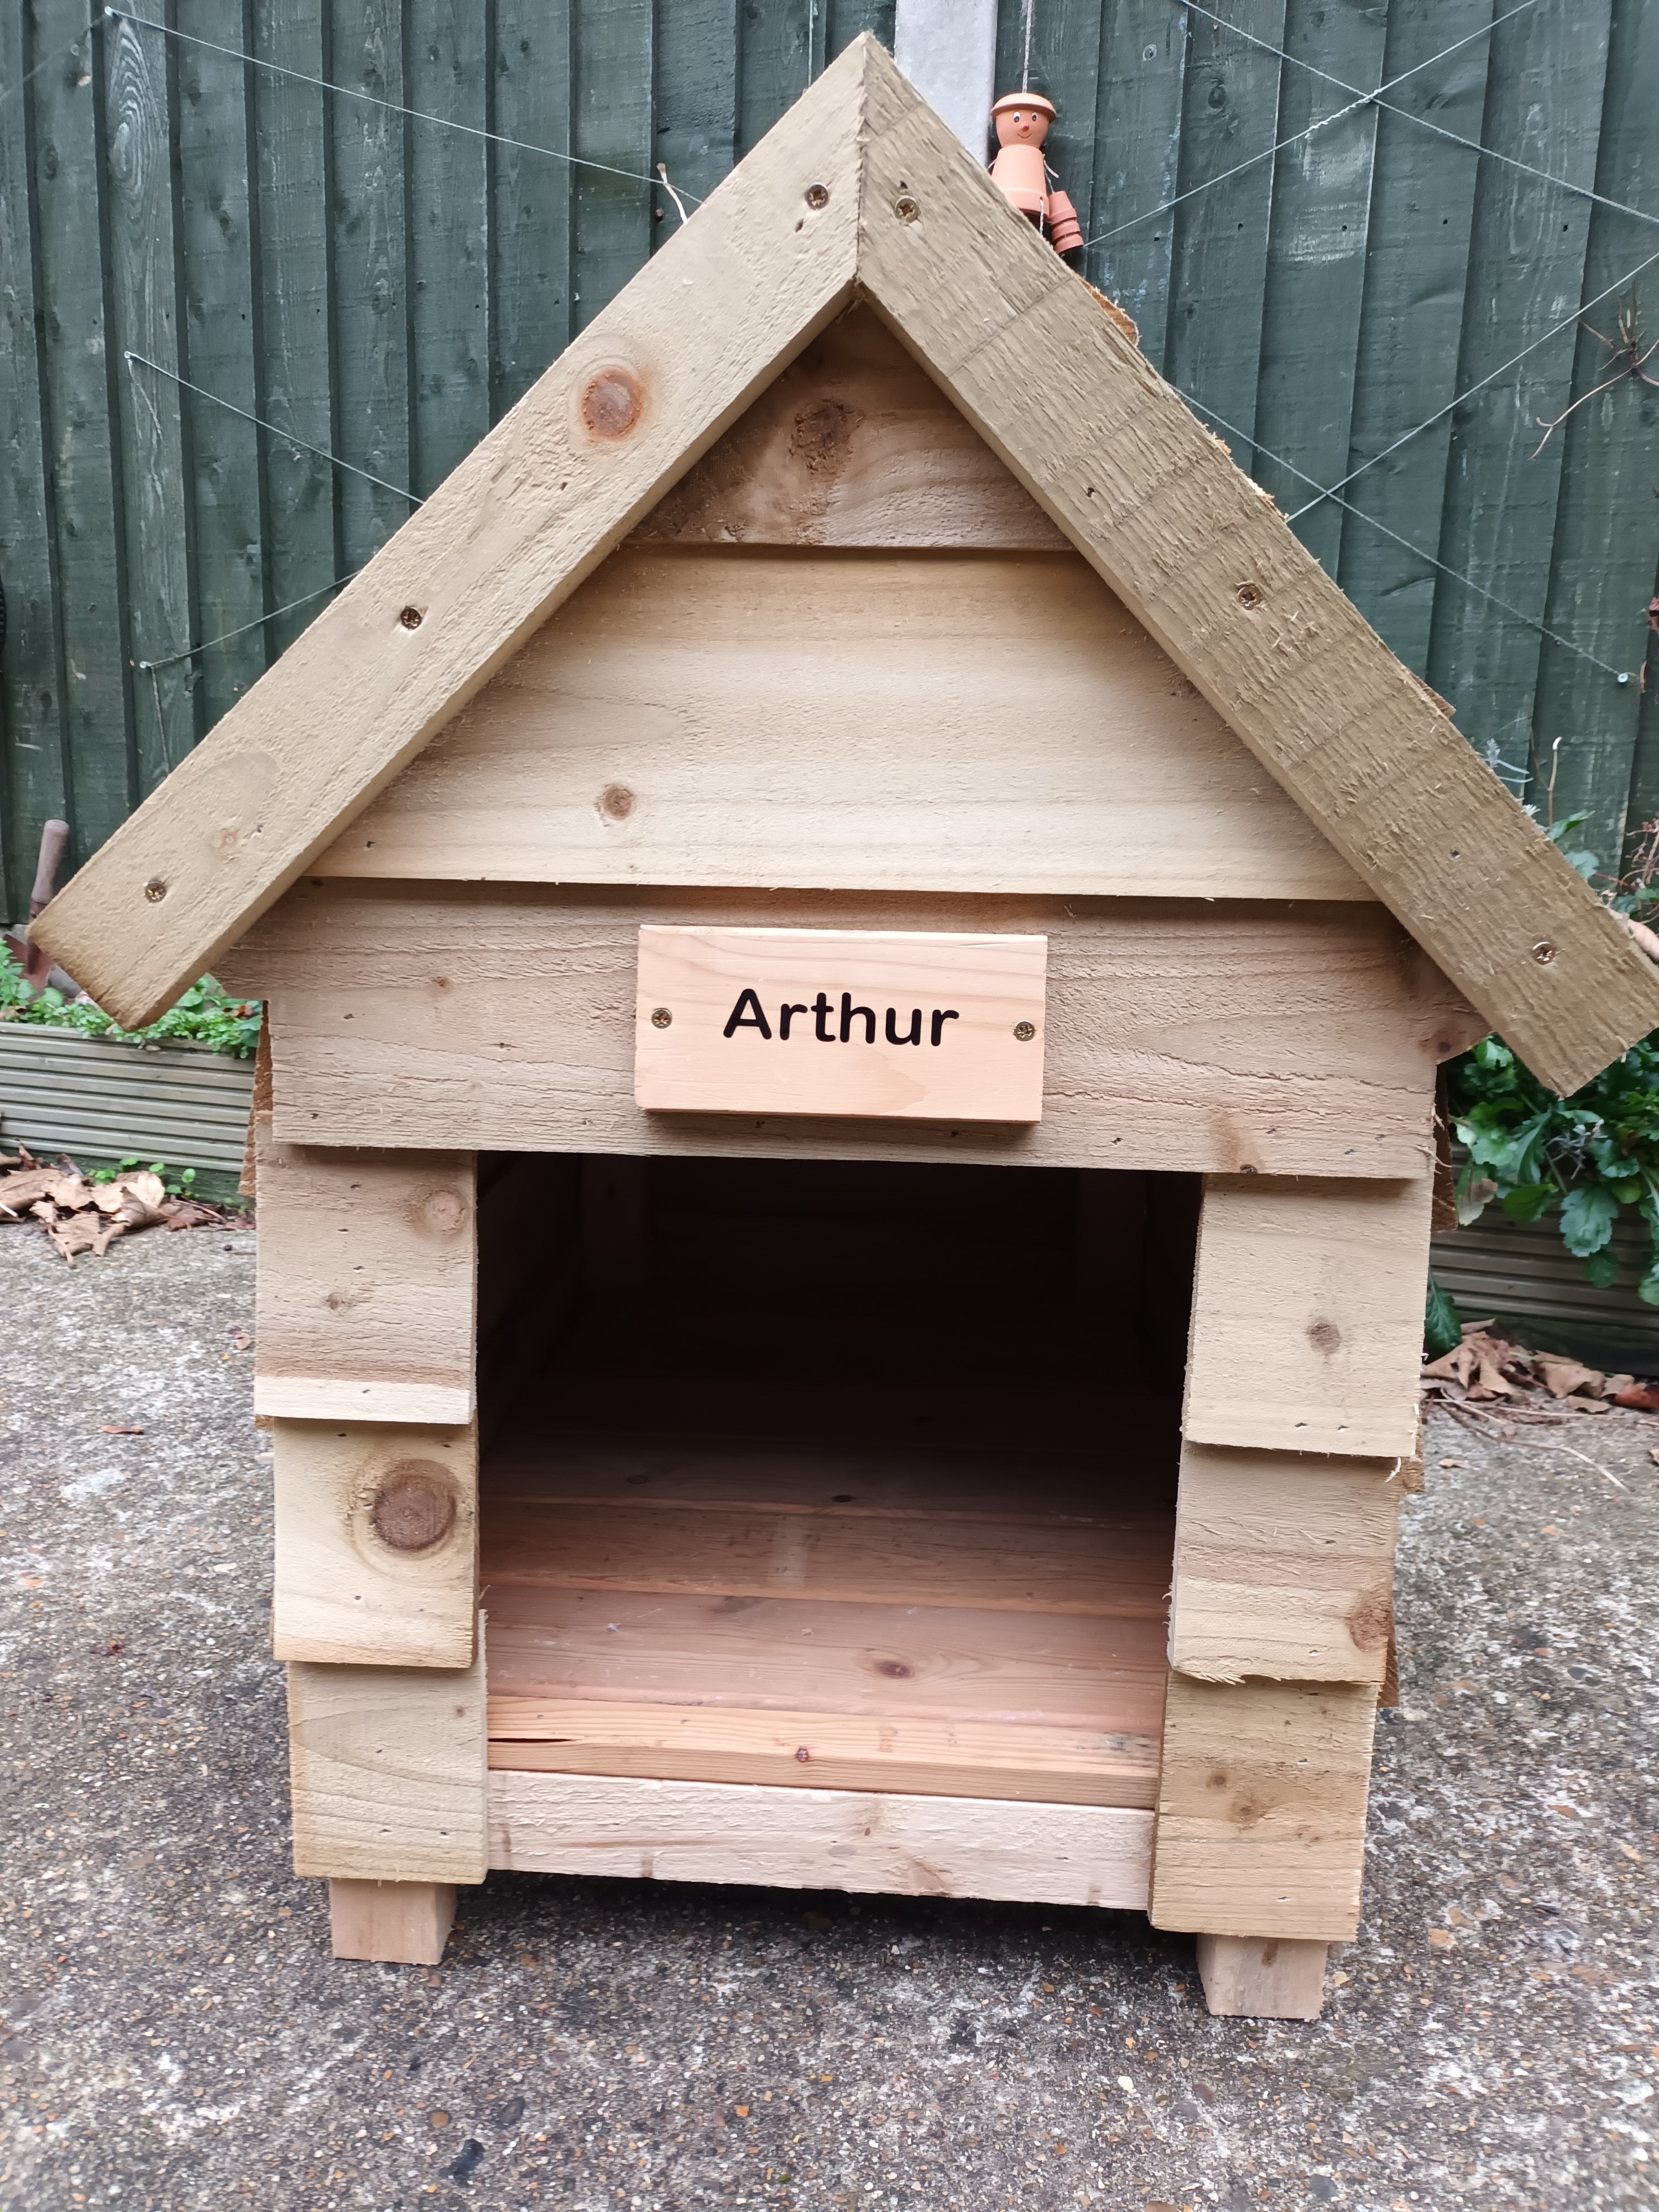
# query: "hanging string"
{"type": "Point", "coordinates": [1457, 575]}
{"type": "Point", "coordinates": [1470, 145]}
{"type": "Point", "coordinates": [1325, 122]}
{"type": "Point", "coordinates": [1428, 423]}
{"type": "Point", "coordinates": [1025, 64]}
{"type": "Point", "coordinates": [372, 100]}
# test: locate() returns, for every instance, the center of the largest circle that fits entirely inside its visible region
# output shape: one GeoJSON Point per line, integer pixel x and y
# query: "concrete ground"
{"type": "Point", "coordinates": [176, 2035]}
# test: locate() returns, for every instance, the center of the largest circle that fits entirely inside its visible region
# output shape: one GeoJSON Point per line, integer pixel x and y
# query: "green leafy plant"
{"type": "Point", "coordinates": [1582, 1159]}
{"type": "Point", "coordinates": [204, 1015]}
{"type": "Point", "coordinates": [177, 1182]}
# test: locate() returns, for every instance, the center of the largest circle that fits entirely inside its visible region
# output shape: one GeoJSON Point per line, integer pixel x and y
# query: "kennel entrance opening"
{"type": "Point", "coordinates": [831, 1475]}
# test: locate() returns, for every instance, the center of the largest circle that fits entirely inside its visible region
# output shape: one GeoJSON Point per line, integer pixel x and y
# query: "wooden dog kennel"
{"type": "Point", "coordinates": [887, 1455]}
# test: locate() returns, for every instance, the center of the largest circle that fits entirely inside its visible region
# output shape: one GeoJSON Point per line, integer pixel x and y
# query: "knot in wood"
{"type": "Point", "coordinates": [616, 802]}
{"type": "Point", "coordinates": [1324, 1336]}
{"type": "Point", "coordinates": [414, 1507]}
{"type": "Point", "coordinates": [612, 403]}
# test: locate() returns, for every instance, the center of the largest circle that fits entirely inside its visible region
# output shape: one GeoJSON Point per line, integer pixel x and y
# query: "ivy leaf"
{"type": "Point", "coordinates": [1442, 1329]}
{"type": "Point", "coordinates": [1588, 1214]}
{"type": "Point", "coordinates": [1603, 1271]}
{"type": "Point", "coordinates": [1648, 1289]}
{"type": "Point", "coordinates": [1585, 863]}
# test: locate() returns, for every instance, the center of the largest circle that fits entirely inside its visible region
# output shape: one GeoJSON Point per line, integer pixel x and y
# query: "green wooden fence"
{"type": "Point", "coordinates": [379, 285]}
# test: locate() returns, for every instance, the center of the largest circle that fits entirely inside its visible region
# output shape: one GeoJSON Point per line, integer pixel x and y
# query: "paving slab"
{"type": "Point", "coordinates": [176, 2035]}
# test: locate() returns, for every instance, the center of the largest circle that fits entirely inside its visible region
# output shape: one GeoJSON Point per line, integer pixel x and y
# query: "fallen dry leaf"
{"type": "Point", "coordinates": [1562, 1378]}
{"type": "Point", "coordinates": [239, 1339]}
{"type": "Point", "coordinates": [83, 1232]}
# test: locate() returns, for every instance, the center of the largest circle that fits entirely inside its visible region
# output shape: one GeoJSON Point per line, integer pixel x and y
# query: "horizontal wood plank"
{"type": "Point", "coordinates": [823, 1750]}
{"type": "Point", "coordinates": [1307, 1329]}
{"type": "Point", "coordinates": [818, 1840]}
{"type": "Point", "coordinates": [1262, 1809]}
{"type": "Point", "coordinates": [1211, 1038]}
{"type": "Point", "coordinates": [946, 1664]}
{"type": "Point", "coordinates": [1103, 1568]}
{"type": "Point", "coordinates": [388, 1770]}
{"type": "Point", "coordinates": [852, 446]}
{"type": "Point", "coordinates": [376, 1531]}
{"type": "Point", "coordinates": [1284, 1566]}
{"type": "Point", "coordinates": [911, 721]}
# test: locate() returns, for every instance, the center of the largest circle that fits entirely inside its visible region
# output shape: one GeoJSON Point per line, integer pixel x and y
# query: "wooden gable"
{"type": "Point", "coordinates": [848, 652]}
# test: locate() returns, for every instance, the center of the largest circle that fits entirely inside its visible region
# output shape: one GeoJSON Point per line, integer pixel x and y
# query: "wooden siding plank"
{"type": "Point", "coordinates": [1316, 271]}
{"type": "Point", "coordinates": [852, 445]}
{"type": "Point", "coordinates": [220, 246]}
{"type": "Point", "coordinates": [367, 1290]}
{"type": "Point", "coordinates": [33, 776]}
{"type": "Point", "coordinates": [1284, 1566]}
{"type": "Point", "coordinates": [370, 150]}
{"type": "Point", "coordinates": [1602, 572]}
{"type": "Point", "coordinates": [448, 236]}
{"type": "Point", "coordinates": [80, 365]}
{"type": "Point", "coordinates": [388, 1770]}
{"type": "Point", "coordinates": [1262, 1809]}
{"type": "Point", "coordinates": [1416, 273]}
{"type": "Point", "coordinates": [818, 1840]}
{"type": "Point", "coordinates": [848, 18]}
{"type": "Point", "coordinates": [1525, 274]}
{"type": "Point", "coordinates": [1138, 130]}
{"type": "Point", "coordinates": [1307, 1325]}
{"type": "Point", "coordinates": [1204, 561]}
{"type": "Point", "coordinates": [146, 302]}
{"type": "Point", "coordinates": [533, 509]}
{"type": "Point", "coordinates": [780, 1749]}
{"type": "Point", "coordinates": [721, 719]}
{"type": "Point", "coordinates": [531, 195]}
{"type": "Point", "coordinates": [376, 1544]}
{"type": "Point", "coordinates": [1289, 1043]}
{"type": "Point", "coordinates": [780, 52]}
{"type": "Point", "coordinates": [295, 191]}
{"type": "Point", "coordinates": [1212, 348]}
{"type": "Point", "coordinates": [611, 120]}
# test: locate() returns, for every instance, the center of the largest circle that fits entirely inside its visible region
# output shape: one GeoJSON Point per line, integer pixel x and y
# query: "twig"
{"type": "Point", "coordinates": [662, 171]}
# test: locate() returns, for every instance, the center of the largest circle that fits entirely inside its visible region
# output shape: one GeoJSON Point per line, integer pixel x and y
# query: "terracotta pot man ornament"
{"type": "Point", "coordinates": [1022, 120]}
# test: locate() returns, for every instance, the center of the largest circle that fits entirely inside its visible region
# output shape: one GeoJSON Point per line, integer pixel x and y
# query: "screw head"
{"type": "Point", "coordinates": [818, 196]}
{"type": "Point", "coordinates": [411, 618]}
{"type": "Point", "coordinates": [1543, 952]}
{"type": "Point", "coordinates": [1025, 1031]}
{"type": "Point", "coordinates": [905, 208]}
{"type": "Point", "coordinates": [660, 1017]}
{"type": "Point", "coordinates": [1250, 596]}
{"type": "Point", "coordinates": [155, 891]}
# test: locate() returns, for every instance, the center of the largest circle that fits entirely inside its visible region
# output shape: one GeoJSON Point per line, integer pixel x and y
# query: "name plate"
{"type": "Point", "coordinates": [900, 1024]}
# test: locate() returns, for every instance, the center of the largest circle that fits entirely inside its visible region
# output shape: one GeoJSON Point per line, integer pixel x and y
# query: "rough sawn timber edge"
{"type": "Point", "coordinates": [1202, 557]}
{"type": "Point", "coordinates": [1196, 552]}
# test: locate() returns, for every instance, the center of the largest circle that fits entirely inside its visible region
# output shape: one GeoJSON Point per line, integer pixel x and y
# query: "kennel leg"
{"type": "Point", "coordinates": [404, 1923]}
{"type": "Point", "coordinates": [1262, 1978]}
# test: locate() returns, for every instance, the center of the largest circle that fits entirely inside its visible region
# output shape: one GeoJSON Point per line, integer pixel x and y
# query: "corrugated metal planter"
{"type": "Point", "coordinates": [1521, 1272]}
{"type": "Point", "coordinates": [183, 1104]}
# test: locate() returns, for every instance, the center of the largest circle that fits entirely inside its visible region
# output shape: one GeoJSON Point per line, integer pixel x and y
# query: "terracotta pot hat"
{"type": "Point", "coordinates": [1025, 99]}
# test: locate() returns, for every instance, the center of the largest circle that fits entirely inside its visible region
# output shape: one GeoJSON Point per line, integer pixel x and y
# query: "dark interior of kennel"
{"type": "Point", "coordinates": [844, 1474]}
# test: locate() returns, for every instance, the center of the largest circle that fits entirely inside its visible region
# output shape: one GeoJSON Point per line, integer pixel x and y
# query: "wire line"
{"type": "Point", "coordinates": [1471, 145]}
{"type": "Point", "coordinates": [1364, 99]}
{"type": "Point", "coordinates": [1444, 567]}
{"type": "Point", "coordinates": [225, 637]}
{"type": "Point", "coordinates": [374, 100]}
{"type": "Point", "coordinates": [1406, 436]}
{"type": "Point", "coordinates": [275, 430]}
{"type": "Point", "coordinates": [56, 54]}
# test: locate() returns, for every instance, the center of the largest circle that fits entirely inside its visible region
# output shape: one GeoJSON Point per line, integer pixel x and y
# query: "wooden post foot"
{"type": "Point", "coordinates": [1262, 1977]}
{"type": "Point", "coordinates": [404, 1922]}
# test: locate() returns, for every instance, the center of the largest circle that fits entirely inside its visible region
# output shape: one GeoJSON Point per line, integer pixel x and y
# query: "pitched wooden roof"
{"type": "Point", "coordinates": [861, 190]}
